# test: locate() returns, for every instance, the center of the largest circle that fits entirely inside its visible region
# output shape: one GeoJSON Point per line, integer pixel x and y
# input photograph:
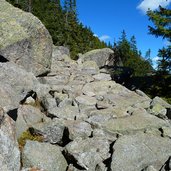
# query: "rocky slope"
{"type": "Point", "coordinates": [75, 117]}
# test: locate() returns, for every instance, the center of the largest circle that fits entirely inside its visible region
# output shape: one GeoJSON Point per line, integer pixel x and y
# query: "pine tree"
{"type": "Point", "coordinates": [161, 19]}
{"type": "Point", "coordinates": [133, 44]}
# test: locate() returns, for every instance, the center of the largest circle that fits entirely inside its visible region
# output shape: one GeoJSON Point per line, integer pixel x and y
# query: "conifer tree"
{"type": "Point", "coordinates": [133, 44]}
{"type": "Point", "coordinates": [161, 19]}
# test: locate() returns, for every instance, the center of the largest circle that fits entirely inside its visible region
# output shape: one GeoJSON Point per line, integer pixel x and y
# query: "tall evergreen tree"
{"type": "Point", "coordinates": [133, 44]}
{"type": "Point", "coordinates": [161, 19]}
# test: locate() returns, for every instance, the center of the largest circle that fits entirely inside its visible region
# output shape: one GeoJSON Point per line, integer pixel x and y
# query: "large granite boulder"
{"type": "Point", "coordinates": [100, 56]}
{"type": "Point", "coordinates": [136, 152]}
{"type": "Point", "coordinates": [24, 39]}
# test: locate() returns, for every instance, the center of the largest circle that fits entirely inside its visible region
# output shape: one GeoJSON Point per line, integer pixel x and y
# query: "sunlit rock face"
{"type": "Point", "coordinates": [24, 40]}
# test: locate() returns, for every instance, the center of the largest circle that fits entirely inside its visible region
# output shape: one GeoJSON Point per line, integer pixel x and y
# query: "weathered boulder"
{"type": "Point", "coordinates": [90, 67]}
{"type": "Point", "coordinates": [9, 99]}
{"type": "Point", "coordinates": [53, 131]}
{"type": "Point", "coordinates": [24, 40]}
{"type": "Point", "coordinates": [78, 129]}
{"type": "Point", "coordinates": [140, 120]}
{"type": "Point", "coordinates": [85, 100]}
{"type": "Point", "coordinates": [135, 152]}
{"type": "Point", "coordinates": [100, 56]}
{"type": "Point", "coordinates": [88, 153]}
{"type": "Point", "coordinates": [28, 116]}
{"type": "Point", "coordinates": [58, 54]}
{"type": "Point", "coordinates": [43, 156]}
{"type": "Point", "coordinates": [18, 81]}
{"type": "Point", "coordinates": [67, 112]}
{"type": "Point", "coordinates": [9, 153]}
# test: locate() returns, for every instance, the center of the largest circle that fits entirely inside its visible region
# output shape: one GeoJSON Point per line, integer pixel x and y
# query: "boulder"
{"type": "Point", "coordinates": [90, 68]}
{"type": "Point", "coordinates": [140, 120]}
{"type": "Point", "coordinates": [18, 81]}
{"type": "Point", "coordinates": [135, 152]}
{"type": "Point", "coordinates": [85, 100]}
{"type": "Point", "coordinates": [58, 54]}
{"type": "Point", "coordinates": [78, 129]}
{"type": "Point", "coordinates": [24, 39]}
{"type": "Point", "coordinates": [9, 153]}
{"type": "Point", "coordinates": [53, 131]}
{"type": "Point", "coordinates": [100, 56]}
{"type": "Point", "coordinates": [9, 99]}
{"type": "Point", "coordinates": [88, 153]}
{"type": "Point", "coordinates": [28, 116]}
{"type": "Point", "coordinates": [43, 156]}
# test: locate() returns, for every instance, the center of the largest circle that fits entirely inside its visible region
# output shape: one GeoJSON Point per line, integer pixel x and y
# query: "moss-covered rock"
{"type": "Point", "coordinates": [24, 39]}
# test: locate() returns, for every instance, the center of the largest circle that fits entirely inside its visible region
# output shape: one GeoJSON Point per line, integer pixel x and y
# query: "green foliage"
{"type": "Point", "coordinates": [162, 28]}
{"type": "Point", "coordinates": [63, 24]}
{"type": "Point", "coordinates": [130, 56]}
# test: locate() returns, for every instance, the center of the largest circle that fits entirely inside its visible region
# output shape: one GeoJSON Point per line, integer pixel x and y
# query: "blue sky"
{"type": "Point", "coordinates": [107, 19]}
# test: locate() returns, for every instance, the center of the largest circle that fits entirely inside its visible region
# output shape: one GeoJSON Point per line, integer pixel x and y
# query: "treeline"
{"type": "Point", "coordinates": [62, 22]}
{"type": "Point", "coordinates": [131, 57]}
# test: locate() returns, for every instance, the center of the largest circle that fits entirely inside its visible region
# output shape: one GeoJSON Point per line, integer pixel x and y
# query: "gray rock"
{"type": "Point", "coordinates": [135, 152]}
{"type": "Point", "coordinates": [140, 120]}
{"type": "Point", "coordinates": [159, 107]}
{"type": "Point", "coordinates": [24, 39]}
{"type": "Point", "coordinates": [9, 153]}
{"type": "Point", "coordinates": [58, 52]}
{"type": "Point", "coordinates": [49, 103]}
{"type": "Point", "coordinates": [28, 116]}
{"type": "Point", "coordinates": [86, 150]}
{"type": "Point", "coordinates": [86, 100]}
{"type": "Point", "coordinates": [9, 98]}
{"type": "Point", "coordinates": [55, 80]}
{"type": "Point", "coordinates": [149, 168]}
{"type": "Point", "coordinates": [98, 132]}
{"type": "Point", "coordinates": [100, 56]}
{"type": "Point", "coordinates": [161, 102]}
{"type": "Point", "coordinates": [43, 156]}
{"type": "Point", "coordinates": [102, 76]}
{"type": "Point", "coordinates": [17, 78]}
{"type": "Point", "coordinates": [53, 131]}
{"type": "Point", "coordinates": [78, 129]}
{"type": "Point", "coordinates": [67, 112]}
{"type": "Point", "coordinates": [90, 67]}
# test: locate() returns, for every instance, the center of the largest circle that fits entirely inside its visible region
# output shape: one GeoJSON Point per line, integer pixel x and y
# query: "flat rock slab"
{"type": "Point", "coordinates": [136, 152]}
{"type": "Point", "coordinates": [86, 100]}
{"type": "Point", "coordinates": [140, 120]}
{"type": "Point", "coordinates": [43, 156]}
{"type": "Point", "coordinates": [102, 76]}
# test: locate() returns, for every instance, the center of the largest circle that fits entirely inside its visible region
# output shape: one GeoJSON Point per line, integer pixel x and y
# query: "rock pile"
{"type": "Point", "coordinates": [76, 118]}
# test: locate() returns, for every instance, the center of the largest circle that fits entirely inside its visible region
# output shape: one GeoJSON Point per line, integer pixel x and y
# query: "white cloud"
{"type": "Point", "coordinates": [95, 35]}
{"type": "Point", "coordinates": [167, 43]}
{"type": "Point", "coordinates": [104, 37]}
{"type": "Point", "coordinates": [155, 59]}
{"type": "Point", "coordinates": [152, 4]}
